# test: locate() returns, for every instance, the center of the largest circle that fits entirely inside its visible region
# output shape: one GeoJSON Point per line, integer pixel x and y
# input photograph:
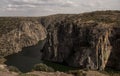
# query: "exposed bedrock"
{"type": "Point", "coordinates": [26, 34]}
{"type": "Point", "coordinates": [78, 46]}
{"type": "Point", "coordinates": [81, 42]}
{"type": "Point", "coordinates": [114, 59]}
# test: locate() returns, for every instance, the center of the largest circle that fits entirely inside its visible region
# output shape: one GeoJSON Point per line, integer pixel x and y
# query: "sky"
{"type": "Point", "coordinates": [48, 7]}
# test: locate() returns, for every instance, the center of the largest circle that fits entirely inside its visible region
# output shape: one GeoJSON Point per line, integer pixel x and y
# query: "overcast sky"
{"type": "Point", "coordinates": [47, 7]}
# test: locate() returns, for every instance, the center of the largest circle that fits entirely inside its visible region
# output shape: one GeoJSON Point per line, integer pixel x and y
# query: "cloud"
{"type": "Point", "coordinates": [39, 3]}
{"type": "Point", "coordinates": [46, 7]}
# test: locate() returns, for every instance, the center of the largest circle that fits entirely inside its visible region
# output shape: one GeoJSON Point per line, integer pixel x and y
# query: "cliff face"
{"type": "Point", "coordinates": [114, 61]}
{"type": "Point", "coordinates": [24, 35]}
{"type": "Point", "coordinates": [85, 40]}
{"type": "Point", "coordinates": [79, 45]}
{"type": "Point", "coordinates": [89, 40]}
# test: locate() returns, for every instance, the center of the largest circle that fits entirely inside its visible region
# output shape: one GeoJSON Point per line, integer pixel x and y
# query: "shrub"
{"type": "Point", "coordinates": [2, 60]}
{"type": "Point", "coordinates": [14, 69]}
{"type": "Point", "coordinates": [42, 67]}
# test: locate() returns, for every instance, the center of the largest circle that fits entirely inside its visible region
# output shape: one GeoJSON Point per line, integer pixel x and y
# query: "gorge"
{"type": "Point", "coordinates": [88, 40]}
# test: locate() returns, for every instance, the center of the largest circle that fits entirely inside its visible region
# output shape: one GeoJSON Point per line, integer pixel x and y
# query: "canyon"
{"type": "Point", "coordinates": [88, 40]}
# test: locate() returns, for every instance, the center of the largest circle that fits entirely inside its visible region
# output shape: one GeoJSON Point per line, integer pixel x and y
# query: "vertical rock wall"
{"type": "Point", "coordinates": [82, 45]}
{"type": "Point", "coordinates": [103, 50]}
{"type": "Point", "coordinates": [114, 59]}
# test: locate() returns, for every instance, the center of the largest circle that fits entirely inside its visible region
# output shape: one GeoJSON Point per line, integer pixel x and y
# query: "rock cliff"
{"type": "Point", "coordinates": [88, 40]}
{"type": "Point", "coordinates": [22, 34]}
{"type": "Point", "coordinates": [85, 40]}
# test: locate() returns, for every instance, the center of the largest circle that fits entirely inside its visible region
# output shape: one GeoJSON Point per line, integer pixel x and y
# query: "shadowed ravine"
{"type": "Point", "coordinates": [27, 58]}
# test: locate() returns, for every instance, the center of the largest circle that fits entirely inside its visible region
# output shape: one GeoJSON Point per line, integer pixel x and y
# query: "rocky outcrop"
{"type": "Point", "coordinates": [114, 61]}
{"type": "Point", "coordinates": [25, 34]}
{"type": "Point", "coordinates": [79, 46]}
{"type": "Point", "coordinates": [83, 42]}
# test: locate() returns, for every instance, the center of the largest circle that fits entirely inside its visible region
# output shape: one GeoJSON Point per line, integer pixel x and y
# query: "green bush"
{"type": "Point", "coordinates": [42, 67]}
{"type": "Point", "coordinates": [14, 69]}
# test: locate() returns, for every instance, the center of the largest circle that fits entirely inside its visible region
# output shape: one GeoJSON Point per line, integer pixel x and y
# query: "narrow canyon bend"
{"type": "Point", "coordinates": [88, 40]}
